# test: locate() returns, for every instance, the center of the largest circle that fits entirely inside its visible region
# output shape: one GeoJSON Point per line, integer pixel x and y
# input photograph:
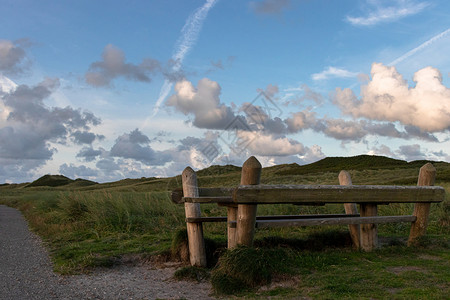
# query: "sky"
{"type": "Point", "coordinates": [107, 90]}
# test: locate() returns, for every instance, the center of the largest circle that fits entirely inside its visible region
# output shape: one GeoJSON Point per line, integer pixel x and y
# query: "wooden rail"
{"type": "Point", "coordinates": [242, 202]}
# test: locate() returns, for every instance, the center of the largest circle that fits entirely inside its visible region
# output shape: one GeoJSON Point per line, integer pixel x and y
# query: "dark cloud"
{"type": "Point", "coordinates": [13, 171]}
{"type": "Point", "coordinates": [107, 165]}
{"type": "Point", "coordinates": [29, 127]}
{"type": "Point", "coordinates": [83, 137]}
{"type": "Point", "coordinates": [113, 65]}
{"type": "Point", "coordinates": [411, 152]}
{"type": "Point", "coordinates": [135, 145]}
{"type": "Point", "coordinates": [383, 150]}
{"type": "Point", "coordinates": [24, 143]}
{"type": "Point", "coordinates": [89, 153]}
{"type": "Point", "coordinates": [258, 119]}
{"type": "Point", "coordinates": [414, 131]}
{"type": "Point", "coordinates": [74, 172]}
{"type": "Point", "coordinates": [12, 56]}
{"type": "Point", "coordinates": [269, 7]}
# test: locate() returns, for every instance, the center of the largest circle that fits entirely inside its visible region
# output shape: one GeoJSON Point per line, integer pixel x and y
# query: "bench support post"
{"type": "Point", "coordinates": [427, 176]}
{"type": "Point", "coordinates": [368, 232]}
{"type": "Point", "coordinates": [231, 229]}
{"type": "Point", "coordinates": [197, 252]}
{"type": "Point", "coordinates": [246, 213]}
{"type": "Point", "coordinates": [350, 209]}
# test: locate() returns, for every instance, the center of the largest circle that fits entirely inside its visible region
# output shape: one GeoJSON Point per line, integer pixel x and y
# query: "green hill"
{"type": "Point", "coordinates": [336, 164]}
{"type": "Point", "coordinates": [60, 180]}
{"type": "Point", "coordinates": [370, 169]}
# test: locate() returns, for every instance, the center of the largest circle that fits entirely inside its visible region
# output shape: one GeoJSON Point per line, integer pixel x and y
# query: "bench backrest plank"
{"type": "Point", "coordinates": [296, 194]}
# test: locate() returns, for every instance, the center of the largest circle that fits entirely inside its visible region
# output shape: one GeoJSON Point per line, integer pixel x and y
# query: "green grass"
{"type": "Point", "coordinates": [87, 225]}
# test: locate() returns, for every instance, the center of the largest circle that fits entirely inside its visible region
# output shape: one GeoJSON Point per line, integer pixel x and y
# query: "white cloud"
{"type": "Point", "coordinates": [332, 72]}
{"type": "Point", "coordinates": [268, 145]}
{"type": "Point", "coordinates": [393, 11]}
{"type": "Point", "coordinates": [187, 40]}
{"type": "Point", "coordinates": [387, 97]}
{"type": "Point", "coordinates": [203, 102]}
{"type": "Point", "coordinates": [6, 84]}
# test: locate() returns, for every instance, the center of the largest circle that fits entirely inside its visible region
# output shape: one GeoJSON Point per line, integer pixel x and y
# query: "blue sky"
{"type": "Point", "coordinates": [106, 90]}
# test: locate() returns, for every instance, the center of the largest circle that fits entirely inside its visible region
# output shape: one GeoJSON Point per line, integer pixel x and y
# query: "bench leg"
{"type": "Point", "coordinates": [350, 209]}
{"type": "Point", "coordinates": [369, 232]}
{"type": "Point", "coordinates": [246, 222]}
{"type": "Point", "coordinates": [419, 227]}
{"type": "Point", "coordinates": [246, 213]}
{"type": "Point", "coordinates": [231, 230]}
{"type": "Point", "coordinates": [427, 176]}
{"type": "Point", "coordinates": [197, 251]}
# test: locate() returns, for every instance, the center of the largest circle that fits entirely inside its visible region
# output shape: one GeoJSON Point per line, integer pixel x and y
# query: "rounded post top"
{"type": "Point", "coordinates": [252, 163]}
{"type": "Point", "coordinates": [427, 175]}
{"type": "Point", "coordinates": [188, 171]}
{"type": "Point", "coordinates": [428, 167]}
{"type": "Point", "coordinates": [345, 178]}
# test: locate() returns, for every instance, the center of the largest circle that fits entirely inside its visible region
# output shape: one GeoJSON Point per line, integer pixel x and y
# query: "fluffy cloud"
{"type": "Point", "coordinates": [203, 103]}
{"type": "Point", "coordinates": [12, 56]}
{"type": "Point", "coordinates": [268, 7]}
{"type": "Point", "coordinates": [113, 65]}
{"type": "Point", "coordinates": [387, 97]}
{"type": "Point", "coordinates": [301, 120]}
{"type": "Point", "coordinates": [393, 11]}
{"type": "Point", "coordinates": [268, 145]}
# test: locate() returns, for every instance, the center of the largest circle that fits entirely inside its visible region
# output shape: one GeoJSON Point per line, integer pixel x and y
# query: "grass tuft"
{"type": "Point", "coordinates": [244, 268]}
{"type": "Point", "coordinates": [191, 273]}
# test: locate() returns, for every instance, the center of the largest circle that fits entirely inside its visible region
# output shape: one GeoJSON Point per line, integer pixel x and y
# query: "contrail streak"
{"type": "Point", "coordinates": [189, 35]}
{"type": "Point", "coordinates": [417, 49]}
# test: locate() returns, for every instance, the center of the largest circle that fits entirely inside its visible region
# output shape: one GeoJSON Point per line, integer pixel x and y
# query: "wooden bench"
{"type": "Point", "coordinates": [242, 202]}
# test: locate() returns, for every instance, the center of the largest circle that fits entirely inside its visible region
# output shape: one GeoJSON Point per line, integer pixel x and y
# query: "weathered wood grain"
{"type": "Point", "coordinates": [197, 252]}
{"type": "Point", "coordinates": [427, 176]}
{"type": "Point", "coordinates": [296, 194]}
{"type": "Point", "coordinates": [350, 208]}
{"type": "Point", "coordinates": [177, 194]}
{"type": "Point", "coordinates": [368, 231]}
{"type": "Point", "coordinates": [246, 213]}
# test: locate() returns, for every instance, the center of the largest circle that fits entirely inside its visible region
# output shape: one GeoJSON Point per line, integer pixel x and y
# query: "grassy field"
{"type": "Point", "coordinates": [86, 225]}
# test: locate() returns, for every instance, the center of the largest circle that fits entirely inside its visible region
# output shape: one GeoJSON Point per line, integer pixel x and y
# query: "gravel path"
{"type": "Point", "coordinates": [26, 273]}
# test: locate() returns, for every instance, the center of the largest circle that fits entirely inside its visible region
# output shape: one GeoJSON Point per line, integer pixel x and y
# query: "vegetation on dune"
{"type": "Point", "coordinates": [60, 180]}
{"type": "Point", "coordinates": [86, 225]}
